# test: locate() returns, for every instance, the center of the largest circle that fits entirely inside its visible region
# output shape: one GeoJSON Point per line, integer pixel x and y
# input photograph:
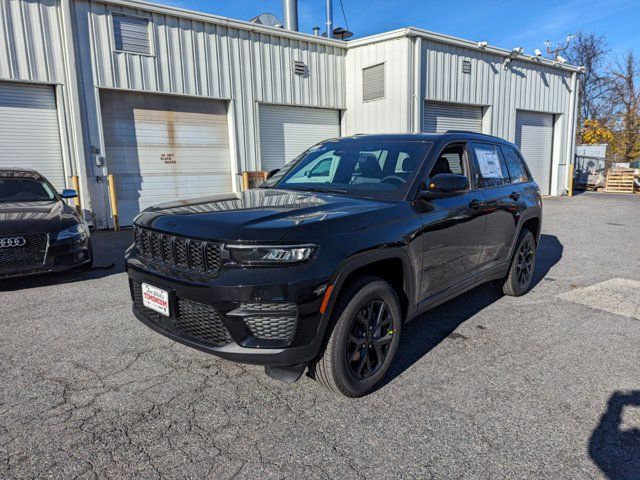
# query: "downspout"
{"type": "Point", "coordinates": [575, 85]}
{"type": "Point", "coordinates": [73, 107]}
{"type": "Point", "coordinates": [418, 103]}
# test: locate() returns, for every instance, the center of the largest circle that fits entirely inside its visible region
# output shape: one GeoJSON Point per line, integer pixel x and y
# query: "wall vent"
{"type": "Point", "coordinates": [373, 82]}
{"type": "Point", "coordinates": [466, 66]}
{"type": "Point", "coordinates": [131, 34]}
{"type": "Point", "coordinates": [299, 68]}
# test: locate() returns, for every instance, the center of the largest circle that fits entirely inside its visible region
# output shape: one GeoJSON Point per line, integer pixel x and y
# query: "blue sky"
{"type": "Point", "coordinates": [506, 24]}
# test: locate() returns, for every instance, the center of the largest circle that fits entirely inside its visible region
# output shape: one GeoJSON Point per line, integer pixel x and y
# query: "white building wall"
{"type": "Point", "coordinates": [69, 44]}
{"type": "Point", "coordinates": [390, 114]}
{"type": "Point", "coordinates": [422, 68]}
{"type": "Point", "coordinates": [522, 85]}
{"type": "Point", "coordinates": [34, 48]}
{"type": "Point", "coordinates": [204, 57]}
{"type": "Point", "coordinates": [30, 33]}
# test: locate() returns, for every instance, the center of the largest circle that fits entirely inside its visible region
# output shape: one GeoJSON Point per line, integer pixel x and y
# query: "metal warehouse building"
{"type": "Point", "coordinates": [176, 104]}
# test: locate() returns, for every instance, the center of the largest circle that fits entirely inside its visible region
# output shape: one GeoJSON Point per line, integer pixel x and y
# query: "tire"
{"type": "Point", "coordinates": [342, 364]}
{"type": "Point", "coordinates": [517, 282]}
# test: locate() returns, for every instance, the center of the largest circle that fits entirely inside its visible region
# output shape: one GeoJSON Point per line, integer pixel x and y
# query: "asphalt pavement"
{"type": "Point", "coordinates": [485, 386]}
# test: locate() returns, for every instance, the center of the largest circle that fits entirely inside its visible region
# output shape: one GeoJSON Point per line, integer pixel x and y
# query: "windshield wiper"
{"type": "Point", "coordinates": [322, 190]}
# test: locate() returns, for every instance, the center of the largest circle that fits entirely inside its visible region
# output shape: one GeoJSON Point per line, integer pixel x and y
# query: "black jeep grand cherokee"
{"type": "Point", "coordinates": [323, 264]}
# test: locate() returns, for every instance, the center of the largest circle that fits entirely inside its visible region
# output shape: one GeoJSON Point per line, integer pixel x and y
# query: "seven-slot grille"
{"type": "Point", "coordinates": [192, 320]}
{"type": "Point", "coordinates": [178, 252]}
{"type": "Point", "coordinates": [27, 257]}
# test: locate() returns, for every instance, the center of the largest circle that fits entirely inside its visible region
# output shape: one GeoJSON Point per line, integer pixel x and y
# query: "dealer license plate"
{"type": "Point", "coordinates": [156, 299]}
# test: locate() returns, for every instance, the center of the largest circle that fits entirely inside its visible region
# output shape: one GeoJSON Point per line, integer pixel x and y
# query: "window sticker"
{"type": "Point", "coordinates": [489, 163]}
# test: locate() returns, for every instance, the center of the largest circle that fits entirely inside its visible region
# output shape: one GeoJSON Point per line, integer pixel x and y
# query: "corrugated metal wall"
{"type": "Point", "coordinates": [30, 41]}
{"type": "Point", "coordinates": [391, 113]}
{"type": "Point", "coordinates": [205, 59]}
{"type": "Point", "coordinates": [500, 92]}
{"type": "Point", "coordinates": [520, 86]}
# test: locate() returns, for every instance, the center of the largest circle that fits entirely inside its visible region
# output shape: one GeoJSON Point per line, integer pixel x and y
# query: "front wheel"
{"type": "Point", "coordinates": [520, 276]}
{"type": "Point", "coordinates": [362, 340]}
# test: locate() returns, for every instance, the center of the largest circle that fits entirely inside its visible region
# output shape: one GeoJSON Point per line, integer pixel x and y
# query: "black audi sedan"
{"type": "Point", "coordinates": [39, 232]}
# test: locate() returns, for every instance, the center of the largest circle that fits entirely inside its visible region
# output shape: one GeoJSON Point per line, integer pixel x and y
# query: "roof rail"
{"type": "Point", "coordinates": [464, 131]}
{"type": "Point", "coordinates": [474, 133]}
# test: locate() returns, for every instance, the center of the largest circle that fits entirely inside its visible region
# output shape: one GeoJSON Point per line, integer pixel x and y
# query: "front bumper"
{"type": "Point", "coordinates": [57, 257]}
{"type": "Point", "coordinates": [265, 316]}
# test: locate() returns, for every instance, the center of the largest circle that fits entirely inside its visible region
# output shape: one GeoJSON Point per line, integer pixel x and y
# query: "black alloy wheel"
{"type": "Point", "coordinates": [524, 265]}
{"type": "Point", "coordinates": [369, 339]}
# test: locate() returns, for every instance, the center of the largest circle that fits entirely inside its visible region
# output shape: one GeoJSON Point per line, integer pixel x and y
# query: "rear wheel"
{"type": "Point", "coordinates": [362, 340]}
{"type": "Point", "coordinates": [518, 281]}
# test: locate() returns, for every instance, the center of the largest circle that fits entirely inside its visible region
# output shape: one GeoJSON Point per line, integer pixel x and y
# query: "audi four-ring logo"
{"type": "Point", "coordinates": [12, 242]}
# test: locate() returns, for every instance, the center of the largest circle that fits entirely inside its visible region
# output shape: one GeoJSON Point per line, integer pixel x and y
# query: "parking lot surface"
{"type": "Point", "coordinates": [485, 386]}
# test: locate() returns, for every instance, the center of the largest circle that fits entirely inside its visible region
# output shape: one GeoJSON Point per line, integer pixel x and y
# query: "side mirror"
{"type": "Point", "coordinates": [69, 193]}
{"type": "Point", "coordinates": [272, 173]}
{"type": "Point", "coordinates": [445, 185]}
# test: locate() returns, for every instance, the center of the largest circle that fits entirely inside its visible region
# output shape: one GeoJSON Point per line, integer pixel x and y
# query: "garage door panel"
{"type": "Point", "coordinates": [29, 130]}
{"type": "Point", "coordinates": [286, 132]}
{"type": "Point", "coordinates": [163, 148]}
{"type": "Point", "coordinates": [534, 138]}
{"type": "Point", "coordinates": [440, 117]}
{"type": "Point", "coordinates": [132, 133]}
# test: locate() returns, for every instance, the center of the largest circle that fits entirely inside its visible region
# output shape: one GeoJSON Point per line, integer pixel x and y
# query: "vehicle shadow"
{"type": "Point", "coordinates": [614, 446]}
{"type": "Point", "coordinates": [424, 333]}
{"type": "Point", "coordinates": [108, 251]}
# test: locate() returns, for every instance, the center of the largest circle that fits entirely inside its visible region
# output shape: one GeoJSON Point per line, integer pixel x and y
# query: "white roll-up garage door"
{"type": "Point", "coordinates": [534, 138]}
{"type": "Point", "coordinates": [29, 130]}
{"type": "Point", "coordinates": [440, 117]}
{"type": "Point", "coordinates": [162, 148]}
{"type": "Point", "coordinates": [286, 132]}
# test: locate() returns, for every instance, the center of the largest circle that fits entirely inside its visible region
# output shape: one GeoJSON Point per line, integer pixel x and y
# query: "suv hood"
{"type": "Point", "coordinates": [265, 215]}
{"type": "Point", "coordinates": [34, 217]}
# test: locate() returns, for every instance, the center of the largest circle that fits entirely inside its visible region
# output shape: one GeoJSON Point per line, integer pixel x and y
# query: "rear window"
{"type": "Point", "coordinates": [25, 190]}
{"type": "Point", "coordinates": [517, 169]}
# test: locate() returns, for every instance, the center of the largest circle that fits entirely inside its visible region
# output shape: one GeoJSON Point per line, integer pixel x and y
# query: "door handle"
{"type": "Point", "coordinates": [475, 204]}
{"type": "Point", "coordinates": [514, 196]}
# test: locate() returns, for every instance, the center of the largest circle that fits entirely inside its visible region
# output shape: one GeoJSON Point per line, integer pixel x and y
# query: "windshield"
{"type": "Point", "coordinates": [25, 190]}
{"type": "Point", "coordinates": [363, 168]}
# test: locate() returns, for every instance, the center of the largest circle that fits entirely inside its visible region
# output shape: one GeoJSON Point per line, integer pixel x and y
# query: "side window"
{"type": "Point", "coordinates": [492, 170]}
{"type": "Point", "coordinates": [450, 160]}
{"type": "Point", "coordinates": [517, 169]}
{"type": "Point", "coordinates": [318, 169]}
{"type": "Point", "coordinates": [322, 168]}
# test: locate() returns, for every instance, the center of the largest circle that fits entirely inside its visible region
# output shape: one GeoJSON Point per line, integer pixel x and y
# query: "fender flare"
{"type": "Point", "coordinates": [534, 213]}
{"type": "Point", "coordinates": [353, 263]}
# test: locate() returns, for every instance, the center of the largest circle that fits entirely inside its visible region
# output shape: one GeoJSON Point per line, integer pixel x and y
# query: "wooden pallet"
{"type": "Point", "coordinates": [619, 181]}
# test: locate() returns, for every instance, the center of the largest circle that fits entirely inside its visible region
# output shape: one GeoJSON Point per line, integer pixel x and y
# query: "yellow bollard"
{"type": "Point", "coordinates": [570, 187]}
{"type": "Point", "coordinates": [76, 186]}
{"type": "Point", "coordinates": [113, 200]}
{"type": "Point", "coordinates": [245, 181]}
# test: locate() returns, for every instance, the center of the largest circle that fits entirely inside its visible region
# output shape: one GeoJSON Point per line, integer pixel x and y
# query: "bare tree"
{"type": "Point", "coordinates": [624, 97]}
{"type": "Point", "coordinates": [590, 51]}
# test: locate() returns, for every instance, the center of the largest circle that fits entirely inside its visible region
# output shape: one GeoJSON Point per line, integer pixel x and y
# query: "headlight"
{"type": "Point", "coordinates": [74, 231]}
{"type": "Point", "coordinates": [269, 254]}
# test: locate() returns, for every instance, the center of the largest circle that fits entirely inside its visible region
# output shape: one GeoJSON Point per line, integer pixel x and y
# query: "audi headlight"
{"type": "Point", "coordinates": [269, 254]}
{"type": "Point", "coordinates": [75, 231]}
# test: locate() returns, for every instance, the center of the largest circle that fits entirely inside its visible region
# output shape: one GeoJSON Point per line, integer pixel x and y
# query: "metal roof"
{"type": "Point", "coordinates": [460, 42]}
{"type": "Point", "coordinates": [307, 37]}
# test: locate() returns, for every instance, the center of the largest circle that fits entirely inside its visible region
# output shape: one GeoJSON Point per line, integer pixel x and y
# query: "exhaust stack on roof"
{"type": "Point", "coordinates": [290, 13]}
{"type": "Point", "coordinates": [329, 19]}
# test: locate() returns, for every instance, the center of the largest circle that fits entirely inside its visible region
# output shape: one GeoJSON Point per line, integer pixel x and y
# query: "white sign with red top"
{"type": "Point", "coordinates": [155, 299]}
